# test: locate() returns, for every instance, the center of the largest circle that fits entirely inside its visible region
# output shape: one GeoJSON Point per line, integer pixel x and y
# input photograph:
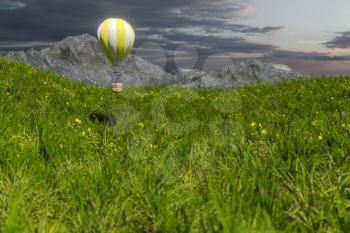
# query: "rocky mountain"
{"type": "Point", "coordinates": [80, 58]}
{"type": "Point", "coordinates": [241, 73]}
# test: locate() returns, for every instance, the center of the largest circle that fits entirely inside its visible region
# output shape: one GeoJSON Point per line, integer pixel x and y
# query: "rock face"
{"type": "Point", "coordinates": [80, 58]}
{"type": "Point", "coordinates": [188, 76]}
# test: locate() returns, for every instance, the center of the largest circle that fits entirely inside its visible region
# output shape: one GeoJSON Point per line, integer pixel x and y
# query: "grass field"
{"type": "Point", "coordinates": [77, 158]}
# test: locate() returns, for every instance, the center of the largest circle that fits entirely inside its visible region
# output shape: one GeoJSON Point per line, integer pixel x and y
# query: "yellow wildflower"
{"type": "Point", "coordinates": [78, 121]}
{"type": "Point", "coordinates": [253, 124]}
{"type": "Point", "coordinates": [141, 125]}
{"type": "Point", "coordinates": [153, 146]}
{"type": "Point", "coordinates": [83, 133]}
{"type": "Point", "coordinates": [320, 137]}
{"type": "Point", "coordinates": [89, 130]}
{"type": "Point", "coordinates": [264, 132]}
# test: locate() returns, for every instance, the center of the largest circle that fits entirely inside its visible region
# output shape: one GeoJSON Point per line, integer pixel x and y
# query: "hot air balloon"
{"type": "Point", "coordinates": [116, 37]}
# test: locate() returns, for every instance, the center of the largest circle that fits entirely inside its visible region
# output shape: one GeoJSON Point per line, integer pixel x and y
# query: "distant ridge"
{"type": "Point", "coordinates": [80, 58]}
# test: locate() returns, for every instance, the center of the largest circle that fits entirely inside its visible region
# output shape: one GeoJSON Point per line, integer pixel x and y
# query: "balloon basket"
{"type": "Point", "coordinates": [117, 87]}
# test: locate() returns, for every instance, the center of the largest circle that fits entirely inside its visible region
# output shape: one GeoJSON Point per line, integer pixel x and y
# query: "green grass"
{"type": "Point", "coordinates": [269, 158]}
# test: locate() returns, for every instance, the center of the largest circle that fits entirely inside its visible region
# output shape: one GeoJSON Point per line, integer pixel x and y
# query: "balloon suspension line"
{"type": "Point", "coordinates": [117, 78]}
{"type": "Point", "coordinates": [117, 73]}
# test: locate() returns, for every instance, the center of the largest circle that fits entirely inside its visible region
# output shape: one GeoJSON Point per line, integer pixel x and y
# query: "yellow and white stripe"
{"type": "Point", "coordinates": [116, 37]}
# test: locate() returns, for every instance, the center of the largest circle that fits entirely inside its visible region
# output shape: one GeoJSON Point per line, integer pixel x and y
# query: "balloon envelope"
{"type": "Point", "coordinates": [116, 37]}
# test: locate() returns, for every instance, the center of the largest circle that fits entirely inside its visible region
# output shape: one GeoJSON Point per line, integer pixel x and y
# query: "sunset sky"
{"type": "Point", "coordinates": [310, 36]}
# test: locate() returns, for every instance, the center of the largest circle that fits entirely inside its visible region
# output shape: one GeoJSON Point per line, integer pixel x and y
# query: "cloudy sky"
{"type": "Point", "coordinates": [311, 36]}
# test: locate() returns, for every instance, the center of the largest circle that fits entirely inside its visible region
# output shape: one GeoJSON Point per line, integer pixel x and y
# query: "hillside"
{"type": "Point", "coordinates": [77, 158]}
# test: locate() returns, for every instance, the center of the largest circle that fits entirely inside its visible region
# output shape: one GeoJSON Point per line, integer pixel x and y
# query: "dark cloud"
{"type": "Point", "coordinates": [206, 45]}
{"type": "Point", "coordinates": [54, 19]}
{"type": "Point", "coordinates": [284, 54]}
{"type": "Point", "coordinates": [342, 41]}
{"type": "Point", "coordinates": [11, 5]}
{"type": "Point", "coordinates": [240, 28]}
{"type": "Point", "coordinates": [42, 20]}
{"type": "Point", "coordinates": [255, 30]}
{"type": "Point", "coordinates": [217, 43]}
